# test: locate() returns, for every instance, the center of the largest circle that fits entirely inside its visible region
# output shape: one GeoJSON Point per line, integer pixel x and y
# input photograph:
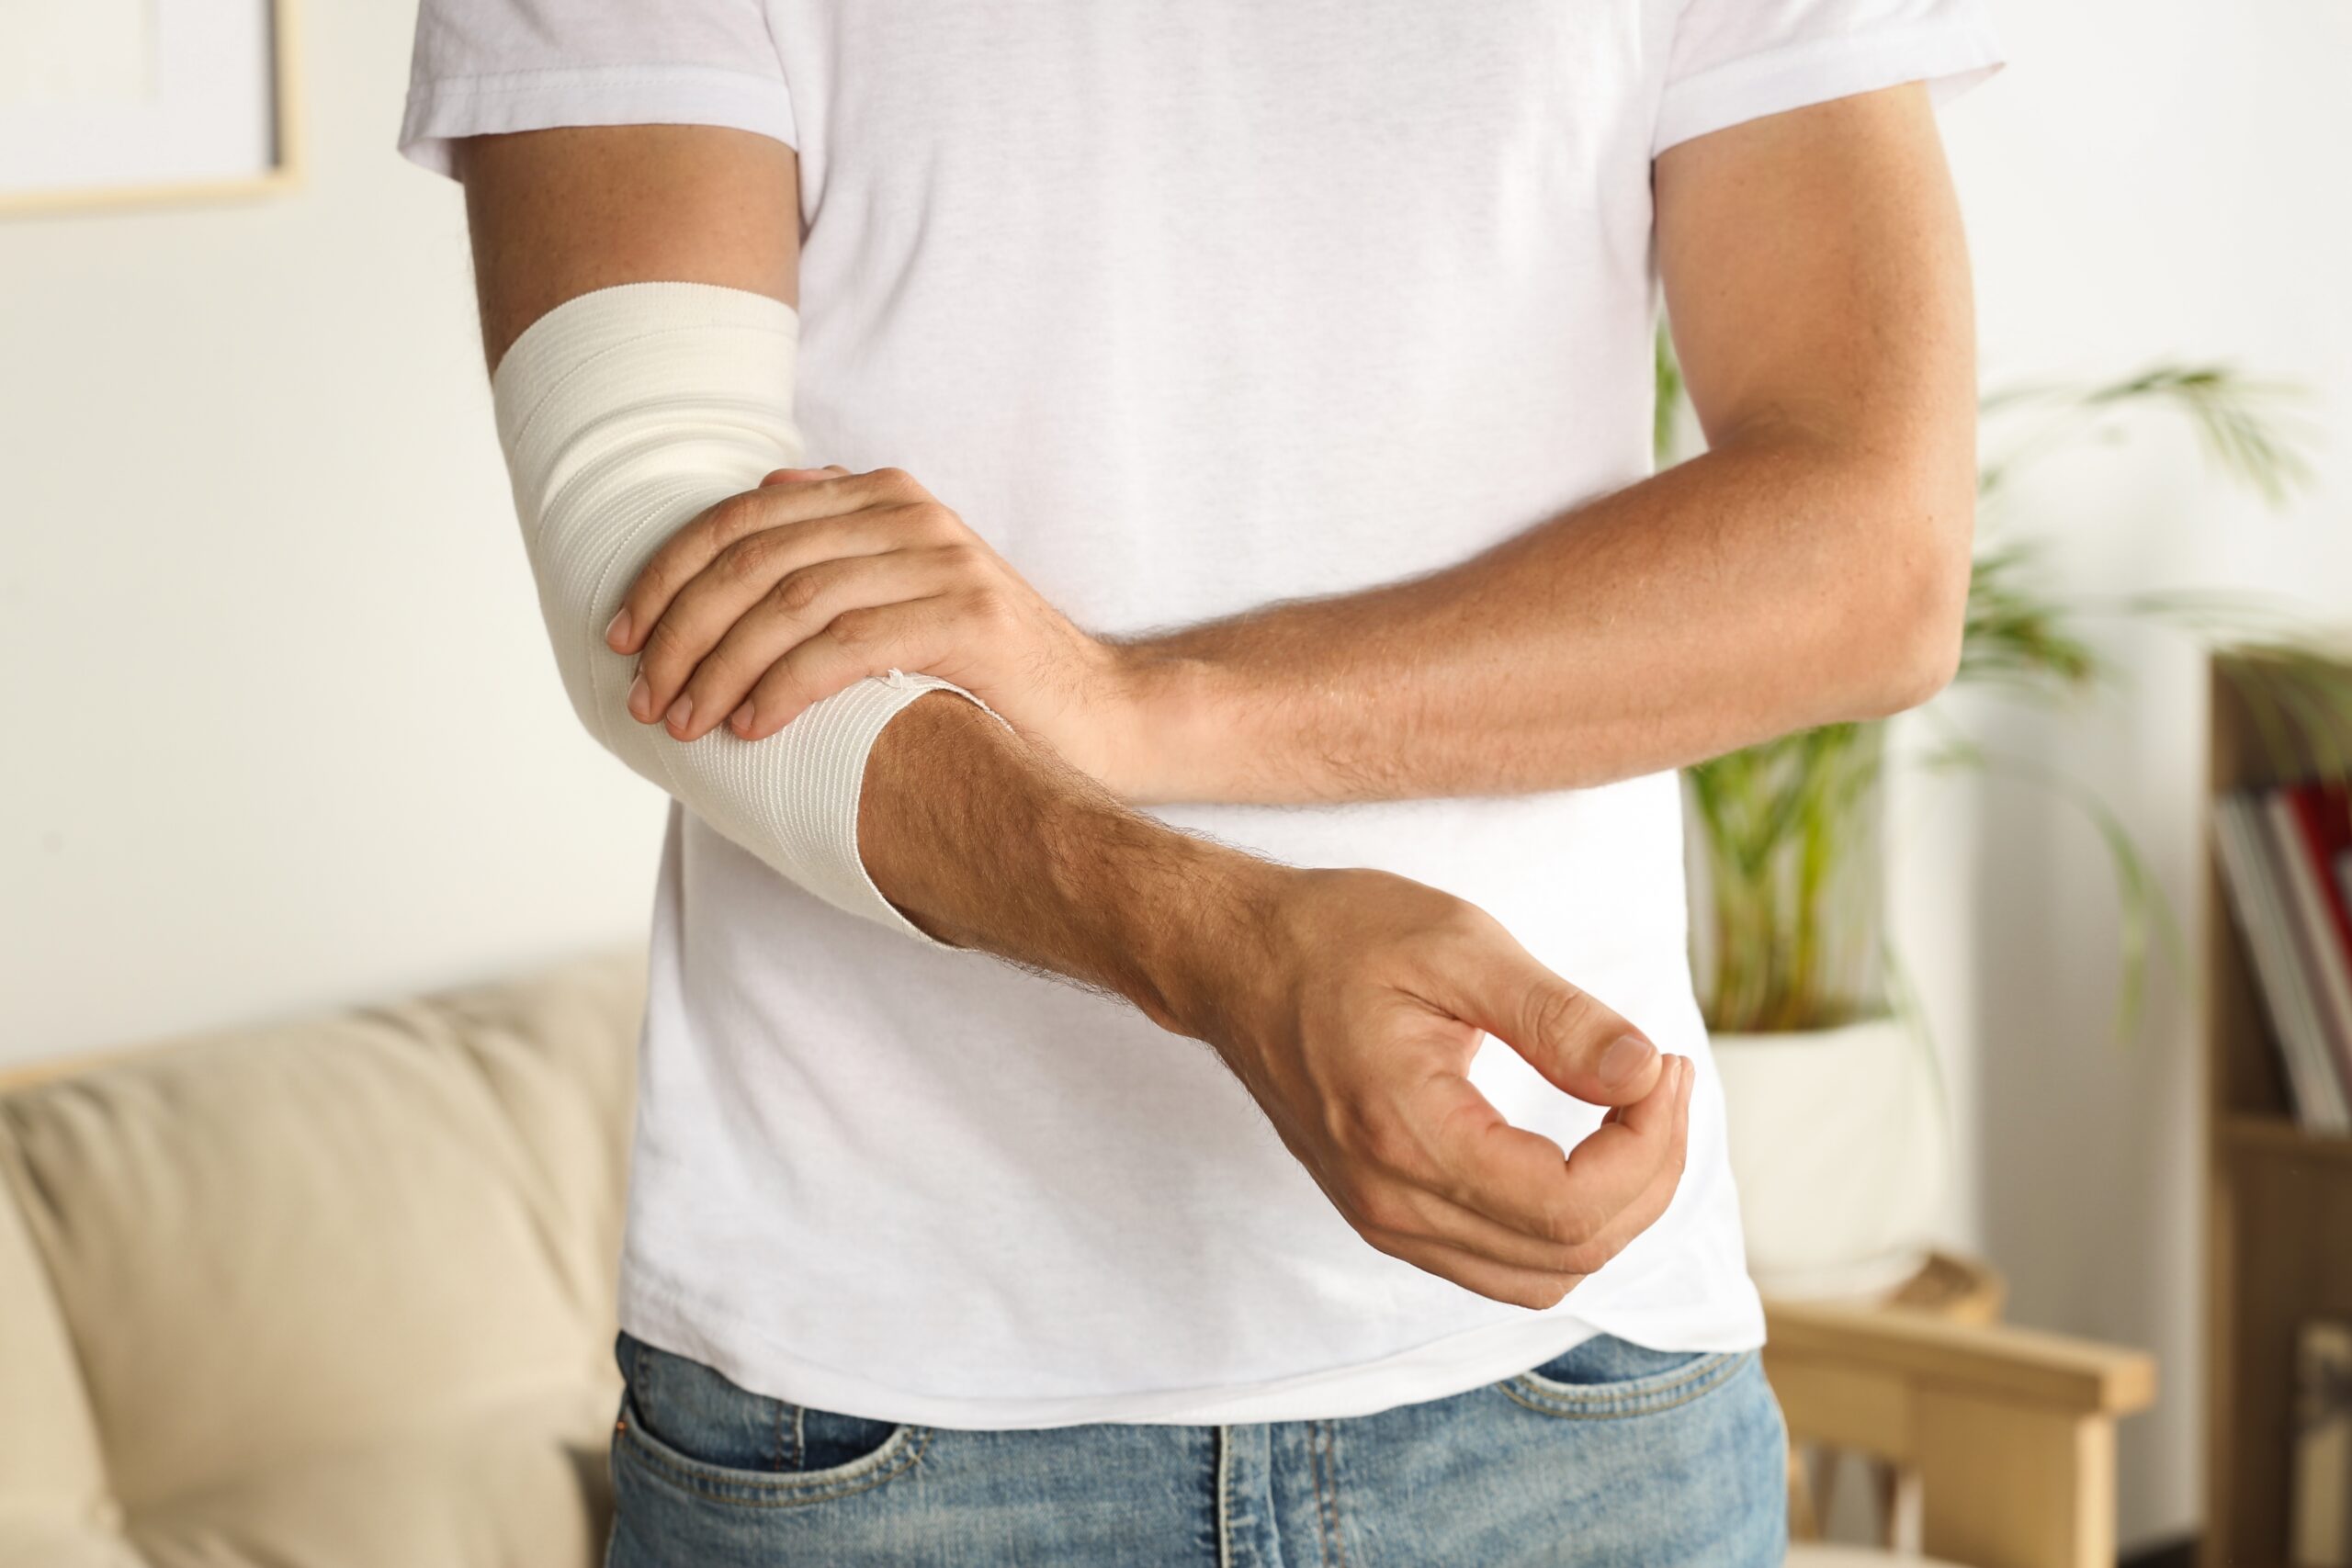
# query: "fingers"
{"type": "Point", "coordinates": [711, 573]}
{"type": "Point", "coordinates": [686, 554]}
{"type": "Point", "coordinates": [1520, 1180]}
{"type": "Point", "coordinates": [1611, 1169]}
{"type": "Point", "coordinates": [1574, 1040]}
{"type": "Point", "coordinates": [798, 607]}
{"type": "Point", "coordinates": [858, 643]}
{"type": "Point", "coordinates": [762, 569]}
{"type": "Point", "coordinates": [1646, 1209]}
{"type": "Point", "coordinates": [1505, 1264]}
{"type": "Point", "coordinates": [788, 476]}
{"type": "Point", "coordinates": [1417, 1212]}
{"type": "Point", "coordinates": [1531, 1288]}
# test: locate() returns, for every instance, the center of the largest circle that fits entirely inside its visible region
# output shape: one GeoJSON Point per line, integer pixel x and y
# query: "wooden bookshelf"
{"type": "Point", "coordinates": [2278, 1199]}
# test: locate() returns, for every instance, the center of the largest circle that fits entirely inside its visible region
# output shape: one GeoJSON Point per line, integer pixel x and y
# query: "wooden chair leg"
{"type": "Point", "coordinates": [1804, 1524]}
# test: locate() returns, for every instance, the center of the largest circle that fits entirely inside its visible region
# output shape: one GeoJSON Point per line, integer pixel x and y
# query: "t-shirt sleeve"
{"type": "Point", "coordinates": [1740, 60]}
{"type": "Point", "coordinates": [485, 66]}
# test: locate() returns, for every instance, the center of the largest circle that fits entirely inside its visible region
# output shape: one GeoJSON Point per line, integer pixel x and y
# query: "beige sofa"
{"type": "Point", "coordinates": [335, 1293]}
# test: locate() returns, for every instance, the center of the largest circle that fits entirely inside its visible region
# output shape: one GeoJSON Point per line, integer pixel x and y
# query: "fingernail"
{"type": "Point", "coordinates": [639, 693]}
{"type": "Point", "coordinates": [742, 718]}
{"type": "Point", "coordinates": [1625, 1059]}
{"type": "Point", "coordinates": [680, 712]}
{"type": "Point", "coordinates": [619, 630]}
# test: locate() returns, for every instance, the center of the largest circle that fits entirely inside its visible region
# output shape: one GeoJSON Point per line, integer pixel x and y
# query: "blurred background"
{"type": "Point", "coordinates": [261, 428]}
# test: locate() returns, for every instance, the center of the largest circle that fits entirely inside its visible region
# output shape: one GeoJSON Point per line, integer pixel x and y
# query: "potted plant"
{"type": "Point", "coordinates": [1839, 1138]}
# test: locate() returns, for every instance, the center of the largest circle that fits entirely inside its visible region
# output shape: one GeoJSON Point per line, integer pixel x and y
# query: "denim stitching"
{"type": "Point", "coordinates": [1598, 1406]}
{"type": "Point", "coordinates": [917, 1440]}
{"type": "Point", "coordinates": [641, 1375]}
{"type": "Point", "coordinates": [1599, 1393]}
{"type": "Point", "coordinates": [1315, 1468]}
{"type": "Point", "coordinates": [1224, 1501]}
{"type": "Point", "coordinates": [1339, 1538]}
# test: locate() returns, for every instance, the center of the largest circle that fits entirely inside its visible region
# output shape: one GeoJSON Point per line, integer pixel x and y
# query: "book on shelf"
{"type": "Point", "coordinates": [2287, 898]}
{"type": "Point", "coordinates": [2323, 813]}
{"type": "Point", "coordinates": [2322, 1525]}
{"type": "Point", "coordinates": [2320, 928]}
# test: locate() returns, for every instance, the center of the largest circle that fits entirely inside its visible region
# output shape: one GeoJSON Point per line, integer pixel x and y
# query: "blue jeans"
{"type": "Point", "coordinates": [1609, 1454]}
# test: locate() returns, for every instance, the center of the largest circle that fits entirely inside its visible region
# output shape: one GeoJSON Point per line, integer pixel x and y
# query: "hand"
{"type": "Point", "coordinates": [777, 598]}
{"type": "Point", "coordinates": [1352, 1022]}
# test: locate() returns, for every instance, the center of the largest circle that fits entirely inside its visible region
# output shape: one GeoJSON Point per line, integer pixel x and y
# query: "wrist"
{"type": "Point", "coordinates": [1200, 940]}
{"type": "Point", "coordinates": [1166, 729]}
{"type": "Point", "coordinates": [987, 842]}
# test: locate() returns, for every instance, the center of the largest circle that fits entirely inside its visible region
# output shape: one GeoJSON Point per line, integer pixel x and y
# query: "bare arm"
{"type": "Point", "coordinates": [1348, 1003]}
{"type": "Point", "coordinates": [1810, 567]}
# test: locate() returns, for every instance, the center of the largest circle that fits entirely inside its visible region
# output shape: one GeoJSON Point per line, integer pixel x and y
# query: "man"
{"type": "Point", "coordinates": [1237, 415]}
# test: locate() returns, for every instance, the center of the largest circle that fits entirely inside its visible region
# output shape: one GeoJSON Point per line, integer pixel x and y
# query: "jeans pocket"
{"type": "Point", "coordinates": [1605, 1377]}
{"type": "Point", "coordinates": [698, 1428]}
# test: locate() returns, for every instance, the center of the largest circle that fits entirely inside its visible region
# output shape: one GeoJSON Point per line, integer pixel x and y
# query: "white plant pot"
{"type": "Point", "coordinates": [1840, 1148]}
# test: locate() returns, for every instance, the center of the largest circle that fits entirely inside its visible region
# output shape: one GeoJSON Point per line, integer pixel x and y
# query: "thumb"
{"type": "Point", "coordinates": [1577, 1042]}
{"type": "Point", "coordinates": [790, 476]}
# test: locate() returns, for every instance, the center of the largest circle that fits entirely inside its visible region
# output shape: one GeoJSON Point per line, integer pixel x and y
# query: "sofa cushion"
{"type": "Point", "coordinates": [521, 1486]}
{"type": "Point", "coordinates": [50, 1542]}
{"type": "Point", "coordinates": [52, 1475]}
{"type": "Point", "coordinates": [379, 1242]}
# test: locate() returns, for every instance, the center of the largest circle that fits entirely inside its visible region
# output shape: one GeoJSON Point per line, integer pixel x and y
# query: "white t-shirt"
{"type": "Point", "coordinates": [1184, 308]}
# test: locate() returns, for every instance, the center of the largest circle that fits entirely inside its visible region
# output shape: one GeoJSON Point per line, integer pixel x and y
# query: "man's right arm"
{"type": "Point", "coordinates": [1348, 1003]}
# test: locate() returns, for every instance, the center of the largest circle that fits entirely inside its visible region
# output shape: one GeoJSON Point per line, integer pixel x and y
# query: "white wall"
{"type": "Point", "coordinates": [251, 491]}
{"type": "Point", "coordinates": [261, 432]}
{"type": "Point", "coordinates": [2150, 178]}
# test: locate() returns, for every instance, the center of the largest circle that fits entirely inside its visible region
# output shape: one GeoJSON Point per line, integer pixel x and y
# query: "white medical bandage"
{"type": "Point", "coordinates": [624, 413]}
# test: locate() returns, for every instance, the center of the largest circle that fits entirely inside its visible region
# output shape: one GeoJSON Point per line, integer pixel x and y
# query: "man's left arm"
{"type": "Point", "coordinates": [1810, 567]}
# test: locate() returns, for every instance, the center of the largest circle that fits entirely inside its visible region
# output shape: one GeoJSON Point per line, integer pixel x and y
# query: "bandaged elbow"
{"type": "Point", "coordinates": [624, 413]}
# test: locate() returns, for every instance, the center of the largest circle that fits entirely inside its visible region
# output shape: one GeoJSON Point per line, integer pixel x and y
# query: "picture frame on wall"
{"type": "Point", "coordinates": [107, 103]}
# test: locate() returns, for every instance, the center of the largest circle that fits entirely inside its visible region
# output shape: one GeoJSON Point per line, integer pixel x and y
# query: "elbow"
{"type": "Point", "coordinates": [1922, 665]}
{"type": "Point", "coordinates": [1916, 636]}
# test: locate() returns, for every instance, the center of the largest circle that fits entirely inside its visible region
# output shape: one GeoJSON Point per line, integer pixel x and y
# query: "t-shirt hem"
{"type": "Point", "coordinates": [655, 1311]}
{"type": "Point", "coordinates": [445, 109]}
{"type": "Point", "coordinates": [1951, 56]}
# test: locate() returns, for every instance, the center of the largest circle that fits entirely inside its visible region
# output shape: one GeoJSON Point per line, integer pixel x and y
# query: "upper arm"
{"type": "Point", "coordinates": [1817, 278]}
{"type": "Point", "coordinates": [559, 212]}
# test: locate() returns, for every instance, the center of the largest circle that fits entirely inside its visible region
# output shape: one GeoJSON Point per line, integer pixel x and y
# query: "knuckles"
{"type": "Point", "coordinates": [858, 627]}
{"type": "Point", "coordinates": [1559, 1013]}
{"type": "Point", "coordinates": [780, 691]}
{"type": "Point", "coordinates": [963, 558]}
{"type": "Point", "coordinates": [1379, 1210]}
{"type": "Point", "coordinates": [664, 644]}
{"type": "Point", "coordinates": [896, 484]}
{"type": "Point", "coordinates": [732, 519]}
{"type": "Point", "coordinates": [1567, 1225]}
{"type": "Point", "coordinates": [748, 559]}
{"type": "Point", "coordinates": [1585, 1258]}
{"type": "Point", "coordinates": [935, 523]}
{"type": "Point", "coordinates": [797, 593]}
{"type": "Point", "coordinates": [989, 606]}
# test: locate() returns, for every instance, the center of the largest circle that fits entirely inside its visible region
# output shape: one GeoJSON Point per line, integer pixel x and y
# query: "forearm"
{"type": "Point", "coordinates": [1779, 581]}
{"type": "Point", "coordinates": [989, 842]}
{"type": "Point", "coordinates": [1812, 567]}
